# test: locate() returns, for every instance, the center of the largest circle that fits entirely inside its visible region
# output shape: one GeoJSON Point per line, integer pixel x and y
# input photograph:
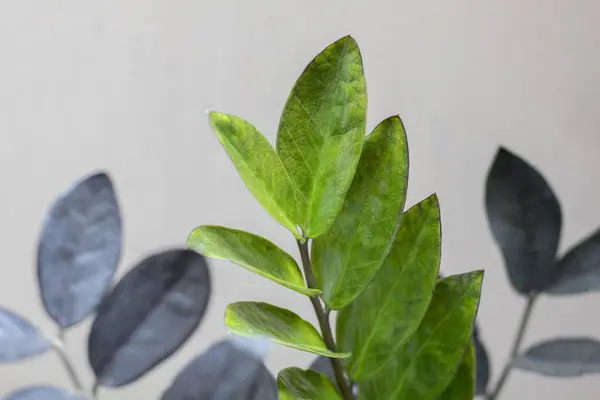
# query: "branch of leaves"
{"type": "Point", "coordinates": [138, 323]}
{"type": "Point", "coordinates": [526, 220]}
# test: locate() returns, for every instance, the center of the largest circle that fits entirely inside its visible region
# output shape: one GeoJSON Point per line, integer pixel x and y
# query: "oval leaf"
{"type": "Point", "coordinates": [579, 269]}
{"type": "Point", "coordinates": [525, 219]}
{"type": "Point", "coordinates": [321, 131]}
{"type": "Point", "coordinates": [482, 364]}
{"type": "Point", "coordinates": [259, 167]}
{"type": "Point", "coordinates": [462, 386]}
{"type": "Point", "coordinates": [348, 256]}
{"type": "Point", "coordinates": [43, 393]}
{"type": "Point", "coordinates": [262, 320]}
{"type": "Point", "coordinates": [425, 366]}
{"type": "Point", "coordinates": [383, 318]}
{"type": "Point", "coordinates": [562, 357]}
{"type": "Point", "coordinates": [149, 314]}
{"type": "Point", "coordinates": [79, 250]}
{"type": "Point", "coordinates": [224, 372]}
{"type": "Point", "coordinates": [298, 384]}
{"type": "Point", "coordinates": [252, 252]}
{"type": "Point", "coordinates": [18, 338]}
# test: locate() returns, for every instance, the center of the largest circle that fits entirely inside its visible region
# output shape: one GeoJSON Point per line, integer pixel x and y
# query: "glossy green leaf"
{"type": "Point", "coordinates": [298, 384]}
{"type": "Point", "coordinates": [347, 257]}
{"type": "Point", "coordinates": [259, 167]}
{"type": "Point", "coordinates": [321, 132]}
{"type": "Point", "coordinates": [252, 252]}
{"type": "Point", "coordinates": [425, 366]}
{"type": "Point", "coordinates": [462, 386]}
{"type": "Point", "coordinates": [383, 318]}
{"type": "Point", "coordinates": [262, 320]}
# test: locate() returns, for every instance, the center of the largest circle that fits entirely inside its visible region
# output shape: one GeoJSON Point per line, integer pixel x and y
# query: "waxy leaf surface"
{"type": "Point", "coordinates": [462, 386]}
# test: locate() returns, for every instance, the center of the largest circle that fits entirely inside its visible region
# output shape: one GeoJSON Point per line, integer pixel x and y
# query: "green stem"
{"type": "Point", "coordinates": [323, 318]}
{"type": "Point", "coordinates": [515, 347]}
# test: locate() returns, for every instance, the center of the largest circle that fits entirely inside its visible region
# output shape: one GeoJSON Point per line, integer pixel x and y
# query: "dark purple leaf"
{"type": "Point", "coordinates": [149, 314]}
{"type": "Point", "coordinates": [79, 250]}
{"type": "Point", "coordinates": [525, 219]}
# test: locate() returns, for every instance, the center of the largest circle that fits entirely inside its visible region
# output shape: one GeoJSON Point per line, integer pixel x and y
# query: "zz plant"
{"type": "Point", "coordinates": [401, 333]}
{"type": "Point", "coordinates": [525, 218]}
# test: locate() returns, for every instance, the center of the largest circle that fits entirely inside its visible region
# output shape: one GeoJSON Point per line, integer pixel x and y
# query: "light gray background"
{"type": "Point", "coordinates": [123, 85]}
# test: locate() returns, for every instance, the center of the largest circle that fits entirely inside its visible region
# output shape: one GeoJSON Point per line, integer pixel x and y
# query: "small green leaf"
{"type": "Point", "coordinates": [262, 320]}
{"type": "Point", "coordinates": [383, 318]}
{"type": "Point", "coordinates": [347, 257]}
{"type": "Point", "coordinates": [462, 386]}
{"type": "Point", "coordinates": [259, 167]}
{"type": "Point", "coordinates": [252, 252]}
{"type": "Point", "coordinates": [298, 384]}
{"type": "Point", "coordinates": [427, 363]}
{"type": "Point", "coordinates": [321, 132]}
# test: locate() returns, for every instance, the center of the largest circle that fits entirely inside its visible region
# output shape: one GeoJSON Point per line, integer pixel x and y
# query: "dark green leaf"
{"type": "Point", "coordinates": [462, 386]}
{"type": "Point", "coordinates": [224, 372]}
{"type": "Point", "coordinates": [482, 364]}
{"type": "Point", "coordinates": [259, 167]}
{"type": "Point", "coordinates": [425, 366]}
{"type": "Point", "coordinates": [79, 250]}
{"type": "Point", "coordinates": [322, 365]}
{"type": "Point", "coordinates": [298, 384]}
{"type": "Point", "coordinates": [383, 318]}
{"type": "Point", "coordinates": [149, 314]}
{"type": "Point", "coordinates": [525, 219]}
{"type": "Point", "coordinates": [579, 269]}
{"type": "Point", "coordinates": [562, 357]}
{"type": "Point", "coordinates": [348, 256]}
{"type": "Point", "coordinates": [18, 338]}
{"type": "Point", "coordinates": [321, 133]}
{"type": "Point", "coordinates": [262, 320]}
{"type": "Point", "coordinates": [43, 393]}
{"type": "Point", "coordinates": [252, 252]}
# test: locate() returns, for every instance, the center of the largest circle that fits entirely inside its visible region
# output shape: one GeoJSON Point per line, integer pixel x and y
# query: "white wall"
{"type": "Point", "coordinates": [124, 85]}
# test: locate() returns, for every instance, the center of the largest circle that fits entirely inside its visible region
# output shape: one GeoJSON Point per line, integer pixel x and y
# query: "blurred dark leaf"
{"type": "Point", "coordinates": [525, 219]}
{"type": "Point", "coordinates": [149, 314]}
{"type": "Point", "coordinates": [43, 393]}
{"type": "Point", "coordinates": [79, 250]}
{"type": "Point", "coordinates": [18, 338]}
{"type": "Point", "coordinates": [562, 357]}
{"type": "Point", "coordinates": [482, 364]}
{"type": "Point", "coordinates": [579, 269]}
{"type": "Point", "coordinates": [226, 371]}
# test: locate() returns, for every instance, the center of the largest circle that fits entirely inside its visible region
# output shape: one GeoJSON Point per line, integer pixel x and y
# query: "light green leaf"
{"type": "Point", "coordinates": [425, 366]}
{"type": "Point", "coordinates": [462, 386]}
{"type": "Point", "coordinates": [262, 320]}
{"type": "Point", "coordinates": [321, 132]}
{"type": "Point", "coordinates": [383, 318]}
{"type": "Point", "coordinates": [298, 384]}
{"type": "Point", "coordinates": [252, 252]}
{"type": "Point", "coordinates": [347, 257]}
{"type": "Point", "coordinates": [259, 167]}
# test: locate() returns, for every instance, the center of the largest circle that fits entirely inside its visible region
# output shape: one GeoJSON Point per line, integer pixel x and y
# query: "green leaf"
{"type": "Point", "coordinates": [427, 363]}
{"type": "Point", "coordinates": [252, 252]}
{"type": "Point", "coordinates": [262, 320]}
{"type": "Point", "coordinates": [383, 318]}
{"type": "Point", "coordinates": [321, 132]}
{"type": "Point", "coordinates": [298, 384]}
{"type": "Point", "coordinates": [347, 257]}
{"type": "Point", "coordinates": [259, 167]}
{"type": "Point", "coordinates": [462, 386]}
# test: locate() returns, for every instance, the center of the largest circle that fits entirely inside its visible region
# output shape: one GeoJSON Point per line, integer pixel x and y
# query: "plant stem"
{"type": "Point", "coordinates": [59, 347]}
{"type": "Point", "coordinates": [515, 347]}
{"type": "Point", "coordinates": [323, 317]}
